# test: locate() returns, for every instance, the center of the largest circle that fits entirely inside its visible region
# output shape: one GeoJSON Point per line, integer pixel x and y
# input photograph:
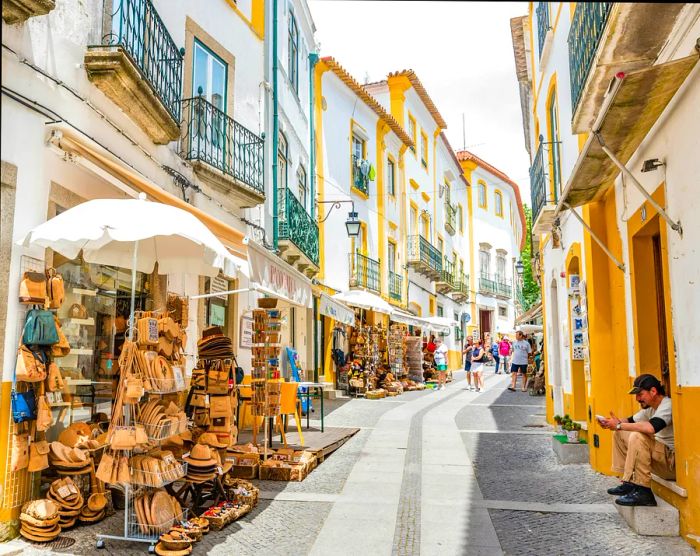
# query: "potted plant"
{"type": "Point", "coordinates": [559, 420]}
{"type": "Point", "coordinates": [572, 429]}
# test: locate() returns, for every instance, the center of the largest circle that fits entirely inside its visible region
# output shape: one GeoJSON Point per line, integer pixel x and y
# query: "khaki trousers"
{"type": "Point", "coordinates": [637, 455]}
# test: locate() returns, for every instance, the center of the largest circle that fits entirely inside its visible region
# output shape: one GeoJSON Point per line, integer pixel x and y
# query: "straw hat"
{"type": "Point", "coordinates": [210, 439]}
{"type": "Point", "coordinates": [41, 509]}
{"type": "Point", "coordinates": [200, 456]}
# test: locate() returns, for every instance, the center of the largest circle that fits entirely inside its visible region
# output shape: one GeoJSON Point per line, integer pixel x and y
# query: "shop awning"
{"type": "Point", "coordinates": [442, 325]}
{"type": "Point", "coordinates": [633, 106]}
{"type": "Point", "coordinates": [336, 310]}
{"type": "Point", "coordinates": [272, 276]}
{"type": "Point", "coordinates": [407, 318]}
{"type": "Point", "coordinates": [436, 324]}
{"type": "Point", "coordinates": [364, 300]}
{"type": "Point", "coordinates": [532, 313]}
{"type": "Point", "coordinates": [67, 140]}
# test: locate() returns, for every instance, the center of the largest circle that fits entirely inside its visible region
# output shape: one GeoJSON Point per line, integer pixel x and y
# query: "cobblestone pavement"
{"type": "Point", "coordinates": [509, 451]}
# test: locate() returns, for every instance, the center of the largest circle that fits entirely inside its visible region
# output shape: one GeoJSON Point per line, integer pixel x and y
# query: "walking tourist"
{"type": "Point", "coordinates": [467, 353]}
{"type": "Point", "coordinates": [642, 443]}
{"type": "Point", "coordinates": [494, 354]}
{"type": "Point", "coordinates": [504, 352]}
{"type": "Point", "coordinates": [519, 352]}
{"type": "Point", "coordinates": [478, 359]}
{"type": "Point", "coordinates": [440, 358]}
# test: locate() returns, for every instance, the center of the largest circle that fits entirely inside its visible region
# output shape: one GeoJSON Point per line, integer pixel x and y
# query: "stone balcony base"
{"type": "Point", "coordinates": [113, 72]}
{"type": "Point", "coordinates": [242, 195]}
{"type": "Point", "coordinates": [659, 521]}
{"type": "Point", "coordinates": [17, 11]}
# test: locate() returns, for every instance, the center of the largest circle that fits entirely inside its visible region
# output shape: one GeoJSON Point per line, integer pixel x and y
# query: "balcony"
{"type": "Point", "coordinates": [360, 181]}
{"type": "Point", "coordinates": [17, 11]}
{"type": "Point", "coordinates": [297, 233]}
{"type": "Point", "coordinates": [364, 273]}
{"type": "Point", "coordinates": [223, 152]}
{"type": "Point", "coordinates": [543, 201]}
{"type": "Point", "coordinates": [447, 282]}
{"type": "Point", "coordinates": [450, 218]}
{"type": "Point", "coordinates": [461, 294]}
{"type": "Point", "coordinates": [495, 285]}
{"type": "Point", "coordinates": [609, 37]}
{"type": "Point", "coordinates": [139, 68]}
{"type": "Point", "coordinates": [395, 287]}
{"type": "Point", "coordinates": [544, 32]}
{"type": "Point", "coordinates": [424, 258]}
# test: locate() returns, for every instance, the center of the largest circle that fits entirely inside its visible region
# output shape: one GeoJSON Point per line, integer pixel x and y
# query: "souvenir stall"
{"type": "Point", "coordinates": [138, 445]}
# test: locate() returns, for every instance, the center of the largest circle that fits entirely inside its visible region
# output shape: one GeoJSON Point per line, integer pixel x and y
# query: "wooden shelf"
{"type": "Point", "coordinates": [81, 351]}
{"type": "Point", "coordinates": [81, 291]}
{"type": "Point", "coordinates": [83, 322]}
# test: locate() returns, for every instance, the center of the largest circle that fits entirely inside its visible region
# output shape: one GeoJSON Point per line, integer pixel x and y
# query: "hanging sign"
{"type": "Point", "coordinates": [274, 274]}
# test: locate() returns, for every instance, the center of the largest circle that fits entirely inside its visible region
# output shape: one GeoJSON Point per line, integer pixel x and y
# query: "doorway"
{"type": "Point", "coordinates": [555, 351]}
{"type": "Point", "coordinates": [484, 322]}
{"type": "Point", "coordinates": [650, 302]}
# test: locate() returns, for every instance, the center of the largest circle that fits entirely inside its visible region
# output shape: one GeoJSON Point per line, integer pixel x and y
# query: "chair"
{"type": "Point", "coordinates": [246, 395]}
{"type": "Point", "coordinates": [289, 406]}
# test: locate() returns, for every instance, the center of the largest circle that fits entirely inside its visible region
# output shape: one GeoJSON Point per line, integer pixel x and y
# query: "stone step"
{"type": "Point", "coordinates": [660, 521]}
{"type": "Point", "coordinates": [570, 453]}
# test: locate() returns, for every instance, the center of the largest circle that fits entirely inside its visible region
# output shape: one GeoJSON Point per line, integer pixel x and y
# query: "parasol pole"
{"type": "Point", "coordinates": [133, 291]}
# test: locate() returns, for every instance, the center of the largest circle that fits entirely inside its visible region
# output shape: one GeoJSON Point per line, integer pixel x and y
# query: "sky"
{"type": "Point", "coordinates": [461, 51]}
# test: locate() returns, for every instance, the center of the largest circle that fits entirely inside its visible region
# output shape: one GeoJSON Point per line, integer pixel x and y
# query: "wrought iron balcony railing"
{"type": "Point", "coordinates": [584, 36]}
{"type": "Point", "coordinates": [395, 286]}
{"type": "Point", "coordinates": [543, 26]}
{"type": "Point", "coordinates": [359, 180]}
{"type": "Point", "coordinates": [539, 186]}
{"type": "Point", "coordinates": [364, 272]}
{"type": "Point", "coordinates": [450, 218]}
{"type": "Point", "coordinates": [296, 225]}
{"type": "Point", "coordinates": [495, 285]}
{"type": "Point", "coordinates": [448, 276]}
{"type": "Point", "coordinates": [213, 137]}
{"type": "Point", "coordinates": [462, 284]}
{"type": "Point", "coordinates": [420, 250]}
{"type": "Point", "coordinates": [487, 285]}
{"type": "Point", "coordinates": [139, 31]}
{"type": "Point", "coordinates": [503, 287]}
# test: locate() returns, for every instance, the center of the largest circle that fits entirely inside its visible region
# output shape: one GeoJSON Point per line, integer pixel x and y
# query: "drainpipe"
{"type": "Point", "coordinates": [275, 125]}
{"type": "Point", "coordinates": [313, 59]}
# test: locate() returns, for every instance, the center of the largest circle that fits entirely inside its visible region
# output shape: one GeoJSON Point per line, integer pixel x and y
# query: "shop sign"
{"type": "Point", "coordinates": [279, 277]}
{"type": "Point", "coordinates": [246, 334]}
{"type": "Point", "coordinates": [336, 311]}
{"type": "Point", "coordinates": [218, 284]}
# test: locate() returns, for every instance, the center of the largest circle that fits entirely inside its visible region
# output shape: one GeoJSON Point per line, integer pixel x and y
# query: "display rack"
{"type": "Point", "coordinates": [395, 349]}
{"type": "Point", "coordinates": [414, 357]}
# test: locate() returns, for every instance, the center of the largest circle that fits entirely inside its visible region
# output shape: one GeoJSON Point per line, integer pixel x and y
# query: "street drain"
{"type": "Point", "coordinates": [60, 543]}
{"type": "Point", "coordinates": [534, 426]}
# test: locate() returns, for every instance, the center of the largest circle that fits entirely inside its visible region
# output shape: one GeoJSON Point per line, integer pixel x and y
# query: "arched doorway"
{"type": "Point", "coordinates": [555, 349]}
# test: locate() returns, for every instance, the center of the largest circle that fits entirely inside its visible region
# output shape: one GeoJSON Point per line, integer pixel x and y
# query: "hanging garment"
{"type": "Point", "coordinates": [364, 168]}
{"type": "Point", "coordinates": [372, 172]}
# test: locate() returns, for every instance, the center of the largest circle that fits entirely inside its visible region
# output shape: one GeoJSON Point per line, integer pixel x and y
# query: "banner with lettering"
{"type": "Point", "coordinates": [341, 313]}
{"type": "Point", "coordinates": [273, 274]}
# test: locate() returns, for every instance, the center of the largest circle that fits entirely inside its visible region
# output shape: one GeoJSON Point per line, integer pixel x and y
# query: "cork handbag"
{"type": "Point", "coordinates": [55, 289]}
{"type": "Point", "coordinates": [38, 456]}
{"type": "Point", "coordinates": [54, 380]}
{"type": "Point", "coordinates": [32, 289]}
{"type": "Point", "coordinates": [19, 457]}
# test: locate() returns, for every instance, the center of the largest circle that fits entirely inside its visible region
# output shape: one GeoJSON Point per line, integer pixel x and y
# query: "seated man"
{"type": "Point", "coordinates": [643, 443]}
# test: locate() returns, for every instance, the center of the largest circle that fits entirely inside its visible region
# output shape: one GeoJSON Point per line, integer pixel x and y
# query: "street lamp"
{"type": "Point", "coordinates": [519, 268]}
{"type": "Point", "coordinates": [352, 224]}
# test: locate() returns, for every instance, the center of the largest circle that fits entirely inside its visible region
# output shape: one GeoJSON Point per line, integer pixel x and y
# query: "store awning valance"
{"type": "Point", "coordinates": [407, 318]}
{"type": "Point", "coordinates": [532, 313]}
{"type": "Point", "coordinates": [336, 310]}
{"type": "Point", "coordinates": [364, 300]}
{"type": "Point", "coordinates": [442, 325]}
{"type": "Point", "coordinates": [631, 109]}
{"type": "Point", "coordinates": [436, 324]}
{"type": "Point", "coordinates": [271, 275]}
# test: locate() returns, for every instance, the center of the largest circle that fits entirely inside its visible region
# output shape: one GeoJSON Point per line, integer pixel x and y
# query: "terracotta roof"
{"type": "Point", "coordinates": [423, 94]}
{"type": "Point", "coordinates": [368, 99]}
{"type": "Point", "coordinates": [517, 31]}
{"type": "Point", "coordinates": [454, 157]}
{"type": "Point", "coordinates": [467, 156]}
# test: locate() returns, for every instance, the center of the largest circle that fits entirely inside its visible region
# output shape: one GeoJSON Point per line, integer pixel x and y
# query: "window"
{"type": "Point", "coordinates": [482, 195]}
{"type": "Point", "coordinates": [425, 225]}
{"type": "Point", "coordinates": [440, 311]}
{"type": "Point", "coordinates": [485, 263]}
{"type": "Point", "coordinates": [209, 76]}
{"type": "Point", "coordinates": [282, 161]}
{"type": "Point", "coordinates": [390, 177]}
{"type": "Point", "coordinates": [412, 131]}
{"type": "Point", "coordinates": [293, 53]}
{"type": "Point", "coordinates": [414, 219]}
{"type": "Point", "coordinates": [460, 215]}
{"type": "Point", "coordinates": [553, 118]}
{"type": "Point", "coordinates": [440, 245]}
{"type": "Point", "coordinates": [301, 183]}
{"type": "Point", "coordinates": [358, 147]}
{"type": "Point", "coordinates": [498, 197]}
{"type": "Point", "coordinates": [448, 194]}
{"type": "Point", "coordinates": [500, 268]}
{"type": "Point", "coordinates": [424, 149]}
{"type": "Point", "coordinates": [391, 256]}
{"type": "Point", "coordinates": [503, 311]}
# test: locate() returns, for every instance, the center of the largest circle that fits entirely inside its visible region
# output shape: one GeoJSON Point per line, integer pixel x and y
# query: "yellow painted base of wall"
{"type": "Point", "coordinates": [454, 360]}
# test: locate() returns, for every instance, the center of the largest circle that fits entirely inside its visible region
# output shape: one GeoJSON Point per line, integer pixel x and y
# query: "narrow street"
{"type": "Point", "coordinates": [450, 472]}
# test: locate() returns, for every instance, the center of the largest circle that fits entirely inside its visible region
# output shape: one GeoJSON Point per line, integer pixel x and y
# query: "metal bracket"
{"type": "Point", "coordinates": [674, 225]}
{"type": "Point", "coordinates": [612, 257]}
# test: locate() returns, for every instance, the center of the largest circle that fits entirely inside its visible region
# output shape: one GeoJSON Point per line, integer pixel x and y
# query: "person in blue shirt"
{"type": "Point", "coordinates": [496, 357]}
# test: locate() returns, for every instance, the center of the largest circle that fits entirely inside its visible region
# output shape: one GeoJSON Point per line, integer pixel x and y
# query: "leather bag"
{"type": "Point", "coordinates": [31, 365]}
{"type": "Point", "coordinates": [134, 389]}
{"type": "Point", "coordinates": [32, 288]}
{"type": "Point", "coordinates": [104, 470]}
{"type": "Point", "coordinates": [23, 406]}
{"type": "Point", "coordinates": [40, 328]}
{"type": "Point", "coordinates": [147, 329]}
{"type": "Point", "coordinates": [219, 406]}
{"type": "Point", "coordinates": [77, 311]}
{"type": "Point", "coordinates": [54, 380]}
{"type": "Point", "coordinates": [19, 458]}
{"type": "Point", "coordinates": [44, 418]}
{"type": "Point", "coordinates": [38, 456]}
{"type": "Point", "coordinates": [217, 381]}
{"type": "Point", "coordinates": [123, 439]}
{"type": "Point", "coordinates": [123, 473]}
{"type": "Point", "coordinates": [62, 348]}
{"type": "Point", "coordinates": [55, 288]}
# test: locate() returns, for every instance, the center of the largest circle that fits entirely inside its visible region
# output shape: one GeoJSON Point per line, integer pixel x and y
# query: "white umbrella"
{"type": "Point", "coordinates": [135, 234]}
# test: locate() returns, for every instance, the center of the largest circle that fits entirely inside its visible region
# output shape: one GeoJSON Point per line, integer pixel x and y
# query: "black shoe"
{"type": "Point", "coordinates": [511, 389]}
{"type": "Point", "coordinates": [640, 496]}
{"type": "Point", "coordinates": [621, 489]}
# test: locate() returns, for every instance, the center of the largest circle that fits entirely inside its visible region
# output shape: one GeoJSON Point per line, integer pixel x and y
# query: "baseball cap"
{"type": "Point", "coordinates": [645, 382]}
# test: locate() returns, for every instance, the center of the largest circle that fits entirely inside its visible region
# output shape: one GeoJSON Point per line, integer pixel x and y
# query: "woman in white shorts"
{"type": "Point", "coordinates": [478, 360]}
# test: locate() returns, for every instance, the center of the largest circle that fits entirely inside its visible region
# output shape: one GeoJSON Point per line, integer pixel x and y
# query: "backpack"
{"type": "Point", "coordinates": [40, 328]}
